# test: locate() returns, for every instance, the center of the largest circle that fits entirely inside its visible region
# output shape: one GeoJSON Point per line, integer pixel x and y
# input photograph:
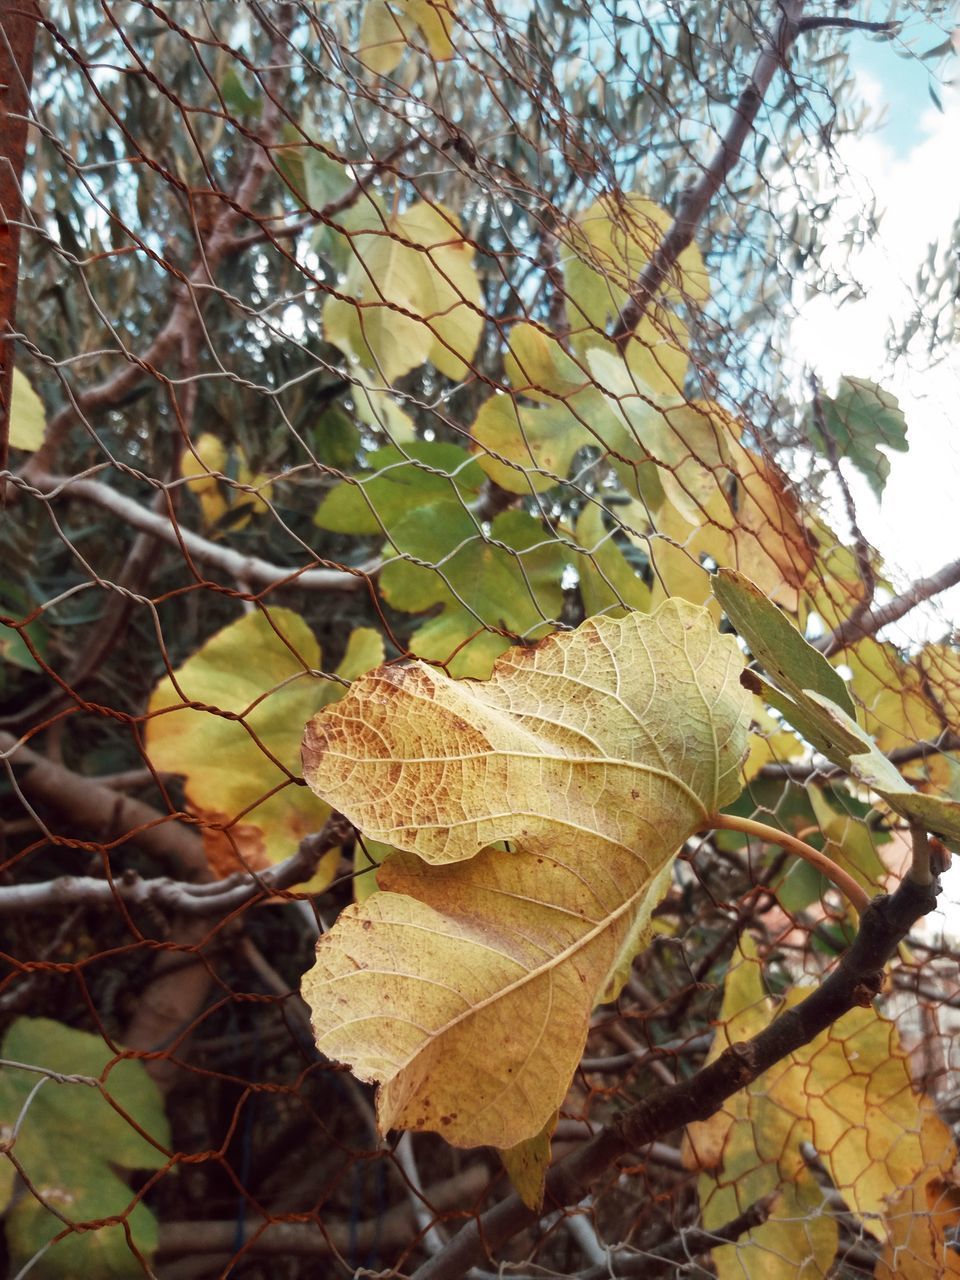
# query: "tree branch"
{"type": "Point", "coordinates": [870, 623]}
{"type": "Point", "coordinates": [112, 816]}
{"type": "Point", "coordinates": [314, 1238]}
{"type": "Point", "coordinates": [242, 568]}
{"type": "Point", "coordinates": [854, 982]}
{"type": "Point", "coordinates": [694, 204]}
{"type": "Point", "coordinates": [211, 897]}
{"type": "Point", "coordinates": [788, 771]}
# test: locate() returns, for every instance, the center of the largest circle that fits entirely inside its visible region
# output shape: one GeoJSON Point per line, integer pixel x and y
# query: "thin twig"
{"type": "Point", "coordinates": [846, 24]}
{"type": "Point", "coordinates": [686, 1246]}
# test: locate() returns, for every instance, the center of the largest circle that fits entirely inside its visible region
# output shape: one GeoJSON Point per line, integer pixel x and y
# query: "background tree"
{"type": "Point", "coordinates": [433, 328]}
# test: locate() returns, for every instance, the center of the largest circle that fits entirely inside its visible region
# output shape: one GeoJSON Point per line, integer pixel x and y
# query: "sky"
{"type": "Point", "coordinates": [909, 160]}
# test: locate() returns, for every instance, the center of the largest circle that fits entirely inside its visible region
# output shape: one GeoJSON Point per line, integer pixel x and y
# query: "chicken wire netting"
{"type": "Point", "coordinates": [354, 333]}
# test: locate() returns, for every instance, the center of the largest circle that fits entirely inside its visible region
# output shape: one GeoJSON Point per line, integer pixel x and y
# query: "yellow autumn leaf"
{"type": "Point", "coordinates": [201, 465]}
{"type": "Point", "coordinates": [939, 668]}
{"type": "Point", "coordinates": [257, 679]}
{"type": "Point", "coordinates": [657, 354]}
{"type": "Point", "coordinates": [798, 1241]}
{"type": "Point", "coordinates": [412, 294]}
{"type": "Point", "coordinates": [609, 244]}
{"type": "Point", "coordinates": [595, 754]}
{"type": "Point", "coordinates": [891, 694]}
{"type": "Point", "coordinates": [454, 312]}
{"type": "Point", "coordinates": [205, 465]}
{"type": "Point", "coordinates": [704, 491]}
{"type": "Point", "coordinates": [921, 1225]}
{"type": "Point", "coordinates": [849, 1095]}
{"type": "Point", "coordinates": [28, 421]}
{"type": "Point", "coordinates": [770, 741]}
{"type": "Point", "coordinates": [743, 1013]}
{"type": "Point", "coordinates": [387, 30]}
{"type": "Point", "coordinates": [526, 1164]}
{"type": "Point", "coordinates": [524, 449]}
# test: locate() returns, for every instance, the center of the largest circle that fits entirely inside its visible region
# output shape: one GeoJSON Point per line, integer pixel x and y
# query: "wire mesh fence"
{"type": "Point", "coordinates": [353, 334]}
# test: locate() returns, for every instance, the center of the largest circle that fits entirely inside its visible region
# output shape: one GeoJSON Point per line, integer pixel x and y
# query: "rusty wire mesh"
{"type": "Point", "coordinates": [202, 180]}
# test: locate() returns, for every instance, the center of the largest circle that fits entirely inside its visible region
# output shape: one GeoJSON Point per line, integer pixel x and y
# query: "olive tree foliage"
{"type": "Point", "coordinates": [367, 347]}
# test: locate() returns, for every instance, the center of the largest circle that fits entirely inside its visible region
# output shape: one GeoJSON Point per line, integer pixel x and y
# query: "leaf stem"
{"type": "Point", "coordinates": [826, 866]}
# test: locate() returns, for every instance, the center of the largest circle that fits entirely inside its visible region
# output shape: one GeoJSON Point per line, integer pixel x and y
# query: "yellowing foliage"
{"type": "Point", "coordinates": [228, 720]}
{"type": "Point", "coordinates": [205, 466]}
{"type": "Point", "coordinates": [389, 26]}
{"type": "Point", "coordinates": [609, 245]}
{"type": "Point", "coordinates": [594, 754]}
{"type": "Point", "coordinates": [410, 294]}
{"type": "Point", "coordinates": [848, 1095]}
{"type": "Point", "coordinates": [28, 421]}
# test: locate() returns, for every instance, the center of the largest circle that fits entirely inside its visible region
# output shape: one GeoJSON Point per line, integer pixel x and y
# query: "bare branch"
{"type": "Point", "coordinates": [216, 897]}
{"type": "Point", "coordinates": [250, 570]}
{"type": "Point", "coordinates": [778, 771]}
{"type": "Point", "coordinates": [694, 204]}
{"type": "Point", "coordinates": [394, 1228]}
{"type": "Point", "coordinates": [91, 806]}
{"type": "Point", "coordinates": [870, 623]}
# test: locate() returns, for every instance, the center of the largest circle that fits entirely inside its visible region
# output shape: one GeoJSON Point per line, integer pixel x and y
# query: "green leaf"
{"type": "Point", "coordinates": [607, 582]}
{"type": "Point", "coordinates": [514, 587]}
{"type": "Point", "coordinates": [71, 1140]}
{"type": "Point", "coordinates": [335, 438]}
{"type": "Point", "coordinates": [812, 710]}
{"type": "Point", "coordinates": [860, 418]}
{"type": "Point", "coordinates": [455, 639]}
{"type": "Point", "coordinates": [776, 643]}
{"type": "Point", "coordinates": [237, 98]}
{"type": "Point", "coordinates": [397, 481]}
{"type": "Point", "coordinates": [326, 178]}
{"type": "Point", "coordinates": [850, 843]}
